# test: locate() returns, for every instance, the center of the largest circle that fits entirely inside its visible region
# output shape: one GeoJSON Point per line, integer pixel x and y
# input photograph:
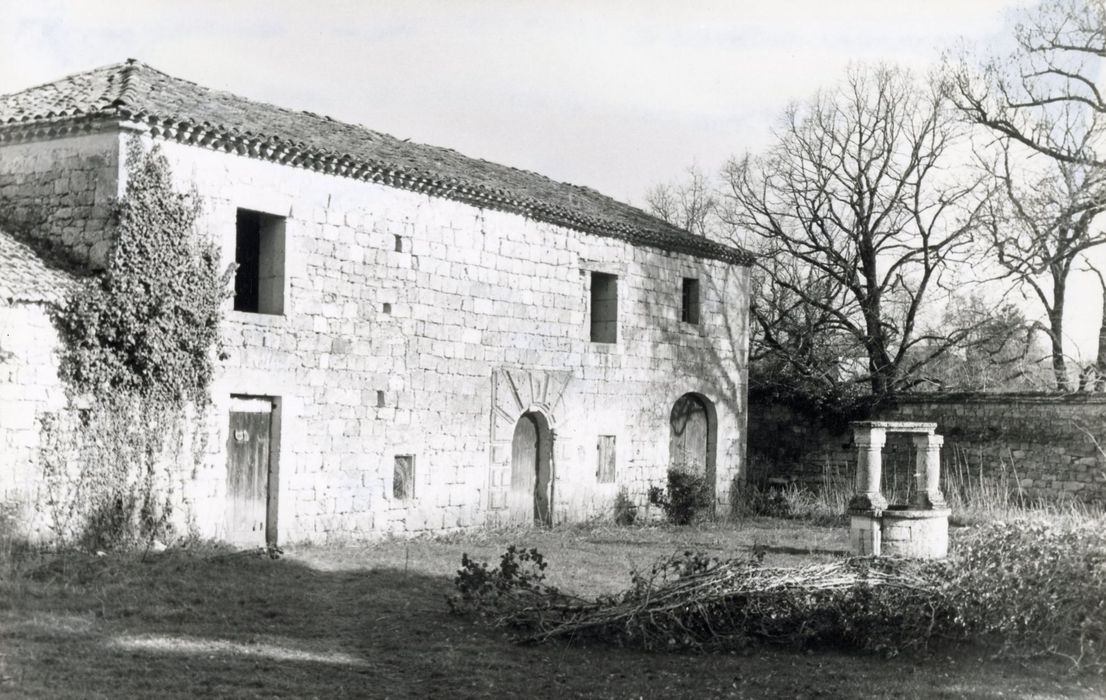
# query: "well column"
{"type": "Point", "coordinates": [868, 502]}
{"type": "Point", "coordinates": [927, 471]}
{"type": "Point", "coordinates": [869, 467]}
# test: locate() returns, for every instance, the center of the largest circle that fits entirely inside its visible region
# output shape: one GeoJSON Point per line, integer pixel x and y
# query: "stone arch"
{"type": "Point", "coordinates": [517, 392]}
{"type": "Point", "coordinates": [530, 497]}
{"type": "Point", "coordinates": [693, 437]}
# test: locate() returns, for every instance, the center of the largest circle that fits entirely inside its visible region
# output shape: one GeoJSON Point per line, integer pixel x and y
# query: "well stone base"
{"type": "Point", "coordinates": [900, 531]}
{"type": "Point", "coordinates": [864, 534]}
{"type": "Point", "coordinates": [915, 533]}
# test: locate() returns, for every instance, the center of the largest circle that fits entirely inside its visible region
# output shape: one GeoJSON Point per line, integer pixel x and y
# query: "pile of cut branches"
{"type": "Point", "coordinates": [695, 603]}
{"type": "Point", "coordinates": [1024, 588]}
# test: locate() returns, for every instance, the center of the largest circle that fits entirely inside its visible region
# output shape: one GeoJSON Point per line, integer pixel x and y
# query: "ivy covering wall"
{"type": "Point", "coordinates": [139, 347]}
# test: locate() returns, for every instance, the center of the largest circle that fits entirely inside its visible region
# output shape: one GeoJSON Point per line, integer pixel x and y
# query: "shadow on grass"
{"type": "Point", "coordinates": [182, 624]}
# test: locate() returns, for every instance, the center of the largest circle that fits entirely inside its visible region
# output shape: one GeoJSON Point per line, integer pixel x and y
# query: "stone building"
{"type": "Point", "coordinates": [418, 340]}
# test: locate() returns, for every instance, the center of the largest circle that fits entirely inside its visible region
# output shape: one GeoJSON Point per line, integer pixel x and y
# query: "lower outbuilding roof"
{"type": "Point", "coordinates": [28, 277]}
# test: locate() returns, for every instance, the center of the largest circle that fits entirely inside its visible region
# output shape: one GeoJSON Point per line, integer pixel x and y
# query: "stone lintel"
{"type": "Point", "coordinates": [924, 441]}
{"type": "Point", "coordinates": [894, 426]}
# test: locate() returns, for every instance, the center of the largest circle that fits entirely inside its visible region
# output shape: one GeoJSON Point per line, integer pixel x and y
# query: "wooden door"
{"type": "Point", "coordinates": [248, 447]}
{"type": "Point", "coordinates": [690, 439]}
{"type": "Point", "coordinates": [543, 484]}
{"type": "Point", "coordinates": [524, 471]}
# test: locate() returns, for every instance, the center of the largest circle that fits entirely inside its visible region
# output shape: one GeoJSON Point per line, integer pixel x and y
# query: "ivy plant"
{"type": "Point", "coordinates": [149, 325]}
{"type": "Point", "coordinates": [139, 342]}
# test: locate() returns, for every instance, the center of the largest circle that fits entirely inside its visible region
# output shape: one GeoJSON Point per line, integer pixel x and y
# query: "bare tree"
{"type": "Point", "coordinates": [797, 348]}
{"type": "Point", "coordinates": [794, 348]}
{"type": "Point", "coordinates": [691, 204]}
{"type": "Point", "coordinates": [1043, 98]}
{"type": "Point", "coordinates": [1055, 67]}
{"type": "Point", "coordinates": [1099, 367]}
{"type": "Point", "coordinates": [1039, 222]}
{"type": "Point", "coordinates": [854, 199]}
{"type": "Point", "coordinates": [997, 354]}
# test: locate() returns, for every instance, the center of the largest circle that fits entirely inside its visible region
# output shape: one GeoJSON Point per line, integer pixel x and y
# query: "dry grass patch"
{"type": "Point", "coordinates": [371, 621]}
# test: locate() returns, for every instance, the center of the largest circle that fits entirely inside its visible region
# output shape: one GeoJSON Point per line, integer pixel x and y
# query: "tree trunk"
{"type": "Point", "coordinates": [879, 361]}
{"type": "Point", "coordinates": [1100, 358]}
{"type": "Point", "coordinates": [1059, 272]}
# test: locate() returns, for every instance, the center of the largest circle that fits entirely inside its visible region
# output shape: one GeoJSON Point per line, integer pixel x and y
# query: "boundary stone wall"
{"type": "Point", "coordinates": [1050, 446]}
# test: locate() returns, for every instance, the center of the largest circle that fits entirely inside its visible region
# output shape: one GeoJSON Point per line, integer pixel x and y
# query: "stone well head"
{"type": "Point", "coordinates": [918, 529]}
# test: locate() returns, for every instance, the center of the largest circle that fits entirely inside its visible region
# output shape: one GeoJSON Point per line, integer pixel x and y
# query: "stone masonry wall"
{"type": "Point", "coordinates": [383, 351]}
{"type": "Point", "coordinates": [1046, 445]}
{"type": "Point", "coordinates": [470, 291]}
{"type": "Point", "coordinates": [29, 386]}
{"type": "Point", "coordinates": [61, 190]}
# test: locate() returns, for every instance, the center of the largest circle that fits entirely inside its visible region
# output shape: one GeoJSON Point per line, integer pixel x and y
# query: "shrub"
{"type": "Point", "coordinates": [1035, 588]}
{"type": "Point", "coordinates": [517, 583]}
{"type": "Point", "coordinates": [625, 512]}
{"type": "Point", "coordinates": [686, 497]}
{"type": "Point", "coordinates": [821, 506]}
{"type": "Point", "coordinates": [11, 539]}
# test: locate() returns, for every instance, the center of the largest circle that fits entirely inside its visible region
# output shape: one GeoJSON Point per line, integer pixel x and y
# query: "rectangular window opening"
{"type": "Point", "coordinates": [689, 308]}
{"type": "Point", "coordinates": [605, 471]}
{"type": "Point", "coordinates": [387, 308]}
{"type": "Point", "coordinates": [259, 254]}
{"type": "Point", "coordinates": [403, 478]}
{"type": "Point", "coordinates": [380, 399]}
{"type": "Point", "coordinates": [604, 308]}
{"type": "Point", "coordinates": [399, 244]}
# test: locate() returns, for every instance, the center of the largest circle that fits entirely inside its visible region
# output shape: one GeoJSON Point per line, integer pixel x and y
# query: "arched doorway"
{"type": "Point", "coordinates": [694, 428]}
{"type": "Point", "coordinates": [531, 495]}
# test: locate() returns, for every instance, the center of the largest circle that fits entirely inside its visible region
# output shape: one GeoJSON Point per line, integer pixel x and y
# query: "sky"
{"type": "Point", "coordinates": [612, 94]}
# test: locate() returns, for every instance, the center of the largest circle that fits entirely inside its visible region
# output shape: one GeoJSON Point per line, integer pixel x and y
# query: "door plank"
{"type": "Point", "coordinates": [248, 476]}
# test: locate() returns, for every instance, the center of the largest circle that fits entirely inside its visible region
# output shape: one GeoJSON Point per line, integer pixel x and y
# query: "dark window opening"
{"type": "Point", "coordinates": [604, 308]}
{"type": "Point", "coordinates": [399, 244]}
{"type": "Point", "coordinates": [380, 399]}
{"type": "Point", "coordinates": [403, 478]}
{"type": "Point", "coordinates": [387, 308]}
{"type": "Point", "coordinates": [689, 308]}
{"type": "Point", "coordinates": [605, 471]}
{"type": "Point", "coordinates": [259, 254]}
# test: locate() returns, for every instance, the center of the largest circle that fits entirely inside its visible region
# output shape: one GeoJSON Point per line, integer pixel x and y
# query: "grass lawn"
{"type": "Point", "coordinates": [371, 621]}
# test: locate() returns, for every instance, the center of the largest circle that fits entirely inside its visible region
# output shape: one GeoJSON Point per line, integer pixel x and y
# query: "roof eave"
{"type": "Point", "coordinates": [275, 149]}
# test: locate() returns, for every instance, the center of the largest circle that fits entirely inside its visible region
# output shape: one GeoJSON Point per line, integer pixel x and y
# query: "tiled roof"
{"type": "Point", "coordinates": [25, 276]}
{"type": "Point", "coordinates": [181, 110]}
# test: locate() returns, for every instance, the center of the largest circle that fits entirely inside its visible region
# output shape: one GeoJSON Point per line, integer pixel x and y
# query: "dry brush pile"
{"type": "Point", "coordinates": [1026, 589]}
